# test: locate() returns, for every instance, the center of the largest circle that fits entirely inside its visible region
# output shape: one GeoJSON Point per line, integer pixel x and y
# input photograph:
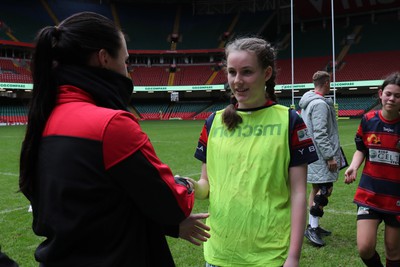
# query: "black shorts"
{"type": "Point", "coordinates": [365, 213]}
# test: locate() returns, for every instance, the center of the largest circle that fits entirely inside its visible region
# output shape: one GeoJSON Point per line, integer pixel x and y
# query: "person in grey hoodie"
{"type": "Point", "coordinates": [319, 115]}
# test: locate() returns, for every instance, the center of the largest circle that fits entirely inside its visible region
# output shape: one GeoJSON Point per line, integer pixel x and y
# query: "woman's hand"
{"type": "Point", "coordinates": [194, 230]}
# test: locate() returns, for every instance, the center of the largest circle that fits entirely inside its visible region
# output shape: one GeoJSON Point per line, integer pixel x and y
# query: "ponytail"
{"type": "Point", "coordinates": [73, 42]}
{"type": "Point", "coordinates": [42, 103]}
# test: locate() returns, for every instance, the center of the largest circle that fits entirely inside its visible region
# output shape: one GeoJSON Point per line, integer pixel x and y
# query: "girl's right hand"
{"type": "Point", "coordinates": [350, 175]}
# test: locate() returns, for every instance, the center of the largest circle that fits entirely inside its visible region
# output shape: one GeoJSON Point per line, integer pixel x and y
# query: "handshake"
{"type": "Point", "coordinates": [192, 229]}
{"type": "Point", "coordinates": [201, 187]}
{"type": "Point", "coordinates": [185, 182]}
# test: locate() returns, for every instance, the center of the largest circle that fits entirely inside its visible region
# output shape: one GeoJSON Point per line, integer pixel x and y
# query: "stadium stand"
{"type": "Point", "coordinates": [356, 106]}
{"type": "Point", "coordinates": [15, 70]}
{"type": "Point", "coordinates": [151, 111]}
{"type": "Point", "coordinates": [192, 75]}
{"type": "Point", "coordinates": [155, 75]}
{"type": "Point", "coordinates": [304, 69]}
{"type": "Point", "coordinates": [62, 9]}
{"type": "Point", "coordinates": [13, 113]}
{"type": "Point", "coordinates": [220, 78]}
{"type": "Point", "coordinates": [187, 110]}
{"type": "Point", "coordinates": [147, 25]}
{"type": "Point", "coordinates": [368, 66]}
{"type": "Point", "coordinates": [24, 19]}
{"type": "Point", "coordinates": [288, 102]}
{"type": "Point", "coordinates": [202, 31]}
{"type": "Point", "coordinates": [366, 49]}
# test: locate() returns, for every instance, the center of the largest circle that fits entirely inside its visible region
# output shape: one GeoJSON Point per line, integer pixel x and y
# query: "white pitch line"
{"type": "Point", "coordinates": [353, 213]}
{"type": "Point", "coordinates": [8, 174]}
{"type": "Point", "coordinates": [341, 212]}
{"type": "Point", "coordinates": [12, 210]}
{"type": "Point", "coordinates": [349, 144]}
{"type": "Point", "coordinates": [185, 175]}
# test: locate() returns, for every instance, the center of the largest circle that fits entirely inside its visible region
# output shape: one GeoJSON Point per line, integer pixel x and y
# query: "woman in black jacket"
{"type": "Point", "coordinates": [99, 193]}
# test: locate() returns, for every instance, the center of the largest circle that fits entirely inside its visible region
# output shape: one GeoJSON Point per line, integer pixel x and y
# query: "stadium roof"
{"type": "Point", "coordinates": [215, 6]}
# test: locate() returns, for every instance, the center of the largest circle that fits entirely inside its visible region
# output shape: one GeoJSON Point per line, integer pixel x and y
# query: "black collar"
{"type": "Point", "coordinates": [107, 88]}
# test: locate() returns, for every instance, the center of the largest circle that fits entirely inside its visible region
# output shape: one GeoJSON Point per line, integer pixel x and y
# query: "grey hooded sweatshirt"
{"type": "Point", "coordinates": [319, 115]}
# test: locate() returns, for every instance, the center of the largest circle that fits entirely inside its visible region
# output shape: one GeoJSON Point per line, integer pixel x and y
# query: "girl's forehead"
{"type": "Point", "coordinates": [242, 57]}
{"type": "Point", "coordinates": [392, 87]}
{"type": "Point", "coordinates": [241, 53]}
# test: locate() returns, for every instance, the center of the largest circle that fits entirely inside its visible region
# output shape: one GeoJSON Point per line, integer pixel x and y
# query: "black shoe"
{"type": "Point", "coordinates": [323, 232]}
{"type": "Point", "coordinates": [312, 235]}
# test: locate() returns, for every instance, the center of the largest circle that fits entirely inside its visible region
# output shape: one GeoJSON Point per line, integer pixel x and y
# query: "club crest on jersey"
{"type": "Point", "coordinates": [373, 139]}
{"type": "Point", "coordinates": [303, 135]}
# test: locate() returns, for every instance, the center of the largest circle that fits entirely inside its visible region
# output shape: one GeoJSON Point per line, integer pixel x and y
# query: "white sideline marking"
{"type": "Point", "coordinates": [342, 212]}
{"type": "Point", "coordinates": [185, 175]}
{"type": "Point", "coordinates": [21, 208]}
{"type": "Point", "coordinates": [12, 210]}
{"type": "Point", "coordinates": [326, 210]}
{"type": "Point", "coordinates": [349, 144]}
{"type": "Point", "coordinates": [8, 174]}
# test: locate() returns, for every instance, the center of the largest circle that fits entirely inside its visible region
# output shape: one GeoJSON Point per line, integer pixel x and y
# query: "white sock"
{"type": "Point", "coordinates": [310, 219]}
{"type": "Point", "coordinates": [314, 221]}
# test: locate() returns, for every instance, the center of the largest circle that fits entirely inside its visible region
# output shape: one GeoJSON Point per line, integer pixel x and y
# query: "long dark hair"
{"type": "Point", "coordinates": [266, 57]}
{"type": "Point", "coordinates": [70, 43]}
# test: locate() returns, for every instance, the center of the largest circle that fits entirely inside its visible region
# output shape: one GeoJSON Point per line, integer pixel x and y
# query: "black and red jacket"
{"type": "Point", "coordinates": [102, 197]}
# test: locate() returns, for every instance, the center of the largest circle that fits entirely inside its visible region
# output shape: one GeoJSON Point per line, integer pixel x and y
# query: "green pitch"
{"type": "Point", "coordinates": [175, 143]}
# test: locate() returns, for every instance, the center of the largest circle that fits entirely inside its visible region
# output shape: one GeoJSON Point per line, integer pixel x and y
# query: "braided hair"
{"type": "Point", "coordinates": [266, 57]}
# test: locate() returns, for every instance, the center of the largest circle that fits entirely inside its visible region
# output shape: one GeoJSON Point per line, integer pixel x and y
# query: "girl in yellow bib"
{"type": "Point", "coordinates": [255, 155]}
